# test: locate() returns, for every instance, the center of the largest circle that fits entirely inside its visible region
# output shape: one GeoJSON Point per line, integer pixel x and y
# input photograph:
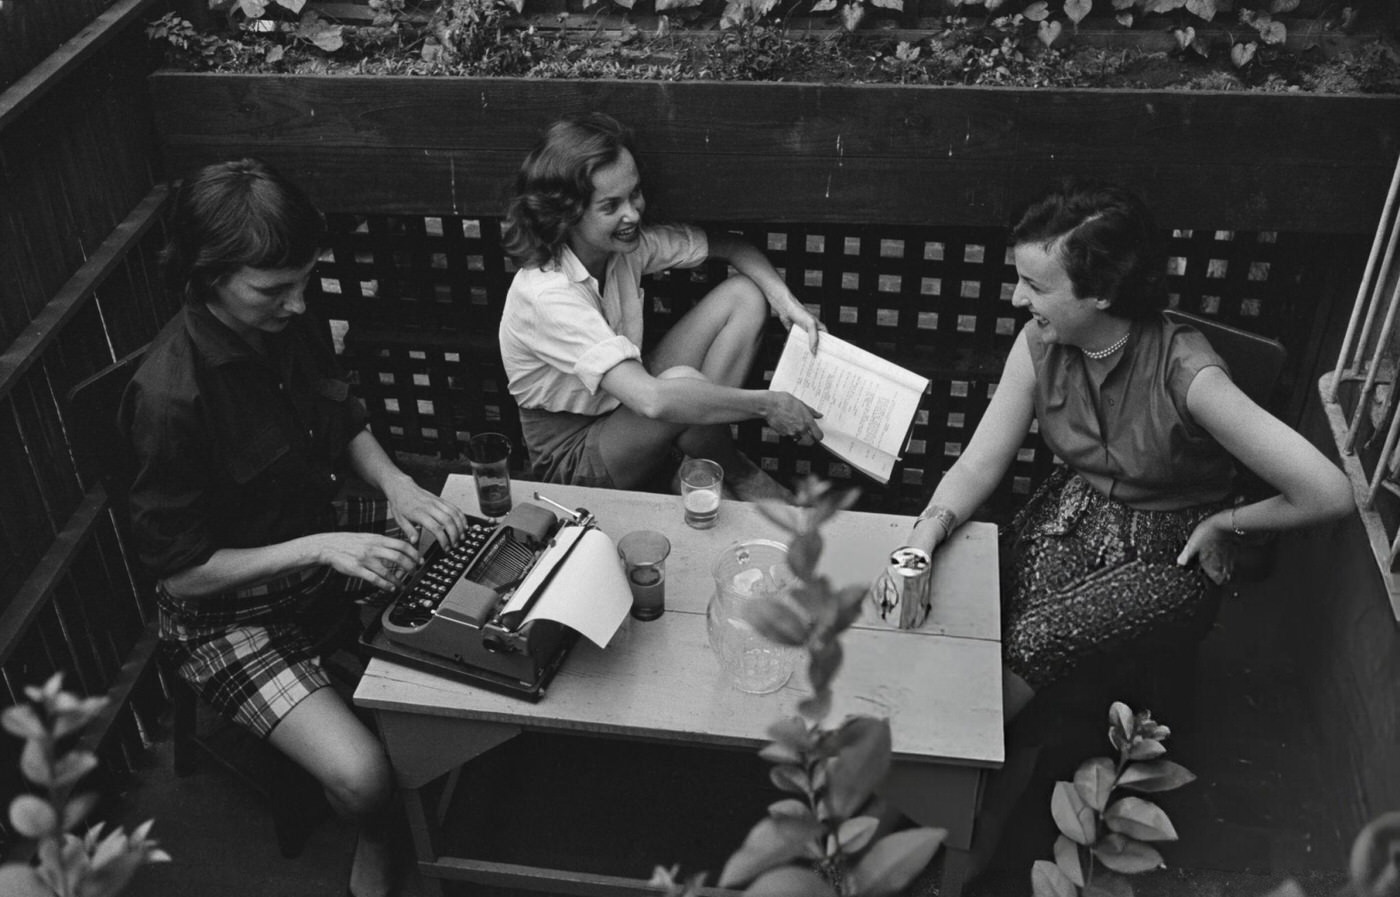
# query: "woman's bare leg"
{"type": "Point", "coordinates": [717, 340]}
{"type": "Point", "coordinates": [323, 736]}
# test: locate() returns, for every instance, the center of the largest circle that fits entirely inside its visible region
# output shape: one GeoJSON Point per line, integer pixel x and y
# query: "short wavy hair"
{"type": "Point", "coordinates": [555, 184]}
{"type": "Point", "coordinates": [1107, 240]}
{"type": "Point", "coordinates": [234, 214]}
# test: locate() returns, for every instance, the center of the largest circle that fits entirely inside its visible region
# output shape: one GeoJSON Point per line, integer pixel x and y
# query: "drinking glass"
{"type": "Point", "coordinates": [489, 454]}
{"type": "Point", "coordinates": [701, 482]}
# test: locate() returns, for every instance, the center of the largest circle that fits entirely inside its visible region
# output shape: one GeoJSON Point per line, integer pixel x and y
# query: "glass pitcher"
{"type": "Point", "coordinates": [749, 571]}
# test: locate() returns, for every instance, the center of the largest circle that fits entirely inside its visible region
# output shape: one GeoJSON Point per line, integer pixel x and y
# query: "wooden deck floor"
{"type": "Point", "coordinates": [1257, 813]}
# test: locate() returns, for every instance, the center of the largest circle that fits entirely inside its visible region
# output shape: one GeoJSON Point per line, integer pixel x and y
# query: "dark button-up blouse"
{"type": "Point", "coordinates": [1138, 444]}
{"type": "Point", "coordinates": [233, 448]}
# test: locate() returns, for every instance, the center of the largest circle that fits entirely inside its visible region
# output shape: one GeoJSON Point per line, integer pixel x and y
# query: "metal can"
{"type": "Point", "coordinates": [904, 594]}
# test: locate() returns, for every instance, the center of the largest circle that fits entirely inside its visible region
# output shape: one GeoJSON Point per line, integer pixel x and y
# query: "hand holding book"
{"type": "Point", "coordinates": [867, 403]}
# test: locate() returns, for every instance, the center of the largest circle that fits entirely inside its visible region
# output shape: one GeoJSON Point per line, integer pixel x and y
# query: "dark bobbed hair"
{"type": "Point", "coordinates": [555, 184]}
{"type": "Point", "coordinates": [234, 214]}
{"type": "Point", "coordinates": [1107, 240]}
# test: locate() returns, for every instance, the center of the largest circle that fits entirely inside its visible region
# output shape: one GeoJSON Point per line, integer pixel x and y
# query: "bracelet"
{"type": "Point", "coordinates": [1233, 525]}
{"type": "Point", "coordinates": [947, 517]}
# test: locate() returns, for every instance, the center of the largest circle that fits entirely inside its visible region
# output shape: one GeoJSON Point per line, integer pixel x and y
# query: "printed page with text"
{"type": "Point", "coordinates": [867, 403]}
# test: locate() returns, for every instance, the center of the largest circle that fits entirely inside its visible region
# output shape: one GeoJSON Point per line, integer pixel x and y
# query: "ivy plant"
{"type": "Point", "coordinates": [1098, 827]}
{"type": "Point", "coordinates": [824, 840]}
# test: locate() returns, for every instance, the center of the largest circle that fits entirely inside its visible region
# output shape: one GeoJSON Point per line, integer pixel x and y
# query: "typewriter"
{"type": "Point", "coordinates": [463, 613]}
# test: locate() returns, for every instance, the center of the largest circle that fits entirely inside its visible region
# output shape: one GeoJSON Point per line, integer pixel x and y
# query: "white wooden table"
{"type": "Point", "coordinates": [940, 686]}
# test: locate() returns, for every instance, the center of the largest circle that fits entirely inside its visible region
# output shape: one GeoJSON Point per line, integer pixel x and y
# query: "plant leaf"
{"type": "Point", "coordinates": [1049, 31]}
{"type": "Point", "coordinates": [22, 722]}
{"type": "Point", "coordinates": [34, 763]}
{"type": "Point", "coordinates": [1076, 10]}
{"type": "Point", "coordinates": [776, 621]}
{"type": "Point", "coordinates": [896, 5]}
{"type": "Point", "coordinates": [770, 843]}
{"type": "Point", "coordinates": [776, 752]}
{"type": "Point", "coordinates": [804, 551]}
{"type": "Point", "coordinates": [1122, 854]}
{"type": "Point", "coordinates": [1067, 858]}
{"type": "Point", "coordinates": [789, 881]}
{"type": "Point", "coordinates": [1047, 880]}
{"type": "Point", "coordinates": [855, 833]}
{"type": "Point", "coordinates": [294, 5]}
{"type": "Point", "coordinates": [77, 809]}
{"type": "Point", "coordinates": [1094, 780]}
{"type": "Point", "coordinates": [1037, 11]}
{"type": "Point", "coordinates": [894, 860]}
{"type": "Point", "coordinates": [1206, 9]}
{"type": "Point", "coordinates": [1072, 815]}
{"type": "Point", "coordinates": [1184, 36]}
{"type": "Point", "coordinates": [859, 766]}
{"type": "Point", "coordinates": [33, 817]}
{"type": "Point", "coordinates": [1242, 54]}
{"type": "Point", "coordinates": [1125, 19]}
{"type": "Point", "coordinates": [20, 880]}
{"type": "Point", "coordinates": [792, 732]}
{"type": "Point", "coordinates": [1120, 715]}
{"type": "Point", "coordinates": [73, 766]}
{"type": "Point", "coordinates": [791, 779]}
{"type": "Point", "coordinates": [1139, 819]}
{"type": "Point", "coordinates": [1155, 775]}
{"type": "Point", "coordinates": [850, 598]}
{"type": "Point", "coordinates": [1146, 748]}
{"type": "Point", "coordinates": [790, 807]}
{"type": "Point", "coordinates": [329, 38]}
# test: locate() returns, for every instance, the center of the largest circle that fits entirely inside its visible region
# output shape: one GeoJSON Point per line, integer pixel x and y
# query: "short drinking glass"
{"type": "Point", "coordinates": [643, 556]}
{"type": "Point", "coordinates": [701, 482]}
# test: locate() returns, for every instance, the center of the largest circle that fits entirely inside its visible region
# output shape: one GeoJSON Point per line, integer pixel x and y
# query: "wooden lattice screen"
{"type": "Point", "coordinates": [415, 301]}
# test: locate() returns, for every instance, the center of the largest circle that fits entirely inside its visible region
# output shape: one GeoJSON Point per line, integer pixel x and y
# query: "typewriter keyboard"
{"type": "Point", "coordinates": [440, 572]}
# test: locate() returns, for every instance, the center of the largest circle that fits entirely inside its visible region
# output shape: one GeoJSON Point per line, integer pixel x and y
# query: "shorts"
{"type": "Point", "coordinates": [252, 653]}
{"type": "Point", "coordinates": [564, 447]}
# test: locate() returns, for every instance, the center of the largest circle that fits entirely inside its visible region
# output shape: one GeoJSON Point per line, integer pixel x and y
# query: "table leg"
{"type": "Point", "coordinates": [944, 797]}
{"type": "Point", "coordinates": [425, 750]}
{"type": "Point", "coordinates": [423, 826]}
{"type": "Point", "coordinates": [956, 864]}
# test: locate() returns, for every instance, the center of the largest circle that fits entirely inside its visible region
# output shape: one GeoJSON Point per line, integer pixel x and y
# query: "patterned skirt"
{"type": "Point", "coordinates": [1085, 575]}
{"type": "Point", "coordinates": [252, 653]}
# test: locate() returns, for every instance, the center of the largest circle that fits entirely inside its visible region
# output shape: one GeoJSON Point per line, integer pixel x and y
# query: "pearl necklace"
{"type": "Point", "coordinates": [1101, 354]}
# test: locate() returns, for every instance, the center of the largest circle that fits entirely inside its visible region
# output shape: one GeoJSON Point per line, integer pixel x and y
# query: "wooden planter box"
{"type": "Point", "coordinates": [773, 152]}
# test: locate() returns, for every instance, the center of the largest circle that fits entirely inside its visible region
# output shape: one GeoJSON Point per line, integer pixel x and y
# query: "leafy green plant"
{"type": "Point", "coordinates": [824, 841]}
{"type": "Point", "coordinates": [1097, 829]}
{"type": "Point", "coordinates": [95, 865]}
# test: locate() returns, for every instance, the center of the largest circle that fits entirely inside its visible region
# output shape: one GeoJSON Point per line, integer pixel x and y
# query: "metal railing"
{"type": "Point", "coordinates": [1362, 395]}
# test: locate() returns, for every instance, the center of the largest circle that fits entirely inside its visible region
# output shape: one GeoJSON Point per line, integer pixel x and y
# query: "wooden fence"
{"type": "Point", "coordinates": [77, 232]}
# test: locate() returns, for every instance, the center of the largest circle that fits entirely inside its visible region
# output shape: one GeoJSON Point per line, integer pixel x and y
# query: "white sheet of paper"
{"type": "Point", "coordinates": [589, 593]}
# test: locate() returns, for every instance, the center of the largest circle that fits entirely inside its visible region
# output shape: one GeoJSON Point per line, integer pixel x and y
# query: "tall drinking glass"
{"type": "Point", "coordinates": [489, 454]}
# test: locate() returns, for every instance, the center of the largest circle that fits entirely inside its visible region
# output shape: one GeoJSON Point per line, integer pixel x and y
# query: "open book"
{"type": "Point", "coordinates": [867, 403]}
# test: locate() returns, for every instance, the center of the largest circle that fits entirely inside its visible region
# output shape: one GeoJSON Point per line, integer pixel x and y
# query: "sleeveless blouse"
{"type": "Point", "coordinates": [1138, 444]}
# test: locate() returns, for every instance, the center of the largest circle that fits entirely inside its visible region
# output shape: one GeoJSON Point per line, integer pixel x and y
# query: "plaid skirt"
{"type": "Point", "coordinates": [1086, 575]}
{"type": "Point", "coordinates": [251, 652]}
